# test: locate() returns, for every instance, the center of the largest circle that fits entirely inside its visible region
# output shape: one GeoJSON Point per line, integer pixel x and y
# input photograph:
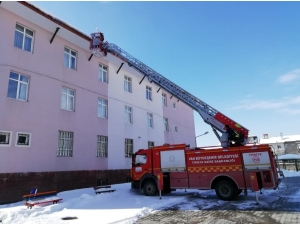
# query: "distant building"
{"type": "Point", "coordinates": [67, 118]}
{"type": "Point", "coordinates": [283, 144]}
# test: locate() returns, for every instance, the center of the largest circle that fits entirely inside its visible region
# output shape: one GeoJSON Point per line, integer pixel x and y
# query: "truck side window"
{"type": "Point", "coordinates": [140, 159]}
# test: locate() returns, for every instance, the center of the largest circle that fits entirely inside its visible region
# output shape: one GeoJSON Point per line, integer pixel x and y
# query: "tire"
{"type": "Point", "coordinates": [226, 190]}
{"type": "Point", "coordinates": [238, 192]}
{"type": "Point", "coordinates": [150, 188]}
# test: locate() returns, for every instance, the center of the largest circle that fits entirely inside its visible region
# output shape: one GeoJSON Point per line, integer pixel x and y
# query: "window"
{"type": "Point", "coordinates": [65, 144]}
{"type": "Point", "coordinates": [23, 38]}
{"type": "Point", "coordinates": [102, 146]}
{"type": "Point", "coordinates": [174, 105]}
{"type": "Point", "coordinates": [140, 159]}
{"type": "Point", "coordinates": [166, 125]}
{"type": "Point", "coordinates": [148, 93]}
{"type": "Point", "coordinates": [102, 108]}
{"type": "Point", "coordinates": [102, 73]}
{"type": "Point", "coordinates": [150, 119]}
{"type": "Point", "coordinates": [67, 99]}
{"type": "Point", "coordinates": [128, 114]}
{"type": "Point", "coordinates": [5, 138]}
{"type": "Point", "coordinates": [150, 144]}
{"type": "Point", "coordinates": [70, 58]}
{"type": "Point", "coordinates": [127, 84]}
{"type": "Point", "coordinates": [128, 147]}
{"type": "Point", "coordinates": [23, 139]}
{"type": "Point", "coordinates": [164, 99]}
{"type": "Point", "coordinates": [18, 86]}
{"type": "Point", "coordinates": [176, 129]}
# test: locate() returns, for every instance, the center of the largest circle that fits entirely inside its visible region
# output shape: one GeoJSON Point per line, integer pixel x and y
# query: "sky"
{"type": "Point", "coordinates": [123, 206]}
{"type": "Point", "coordinates": [241, 58]}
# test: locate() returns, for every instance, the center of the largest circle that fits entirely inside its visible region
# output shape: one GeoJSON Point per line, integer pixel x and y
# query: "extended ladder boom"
{"type": "Point", "coordinates": [210, 115]}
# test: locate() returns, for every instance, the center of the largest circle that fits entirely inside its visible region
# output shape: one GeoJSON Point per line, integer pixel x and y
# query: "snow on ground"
{"type": "Point", "coordinates": [122, 206]}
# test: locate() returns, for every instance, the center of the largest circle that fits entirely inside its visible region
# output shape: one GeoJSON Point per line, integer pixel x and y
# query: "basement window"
{"type": "Point", "coordinates": [23, 139]}
{"type": "Point", "coordinates": [5, 138]}
{"type": "Point", "coordinates": [101, 182]}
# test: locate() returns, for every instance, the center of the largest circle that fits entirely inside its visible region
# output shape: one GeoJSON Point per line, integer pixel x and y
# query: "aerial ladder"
{"type": "Point", "coordinates": [211, 116]}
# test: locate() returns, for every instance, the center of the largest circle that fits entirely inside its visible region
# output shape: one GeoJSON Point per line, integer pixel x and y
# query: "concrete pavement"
{"type": "Point", "coordinates": [276, 206]}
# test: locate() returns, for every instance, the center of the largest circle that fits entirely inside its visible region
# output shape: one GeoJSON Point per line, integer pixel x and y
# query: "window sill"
{"type": "Point", "coordinates": [21, 100]}
{"type": "Point", "coordinates": [67, 110]}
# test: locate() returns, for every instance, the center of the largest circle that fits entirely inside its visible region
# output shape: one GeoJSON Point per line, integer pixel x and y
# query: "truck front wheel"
{"type": "Point", "coordinates": [225, 190]}
{"type": "Point", "coordinates": [238, 192]}
{"type": "Point", "coordinates": [150, 188]}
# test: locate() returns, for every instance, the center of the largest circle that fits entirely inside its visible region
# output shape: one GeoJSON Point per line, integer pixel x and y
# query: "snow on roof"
{"type": "Point", "coordinates": [289, 156]}
{"type": "Point", "coordinates": [279, 139]}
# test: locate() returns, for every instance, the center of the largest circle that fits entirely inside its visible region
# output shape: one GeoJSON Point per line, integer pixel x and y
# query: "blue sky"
{"type": "Point", "coordinates": [242, 58]}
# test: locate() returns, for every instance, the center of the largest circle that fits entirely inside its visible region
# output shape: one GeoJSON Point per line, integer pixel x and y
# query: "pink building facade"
{"type": "Point", "coordinates": [64, 110]}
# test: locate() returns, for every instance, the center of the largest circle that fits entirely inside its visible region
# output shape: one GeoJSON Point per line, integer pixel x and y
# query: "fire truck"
{"type": "Point", "coordinates": [233, 166]}
{"type": "Point", "coordinates": [227, 170]}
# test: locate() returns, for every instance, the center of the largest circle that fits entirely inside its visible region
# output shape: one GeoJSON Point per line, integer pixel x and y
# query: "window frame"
{"type": "Point", "coordinates": [67, 95]}
{"type": "Point", "coordinates": [29, 140]}
{"type": "Point", "coordinates": [19, 85]}
{"type": "Point", "coordinates": [102, 75]}
{"type": "Point", "coordinates": [102, 153]}
{"type": "Point", "coordinates": [130, 112]}
{"type": "Point", "coordinates": [166, 124]}
{"type": "Point", "coordinates": [10, 138]}
{"type": "Point", "coordinates": [127, 84]}
{"type": "Point", "coordinates": [174, 105]}
{"type": "Point", "coordinates": [149, 144]}
{"type": "Point", "coordinates": [176, 130]}
{"type": "Point", "coordinates": [164, 99]}
{"type": "Point", "coordinates": [24, 36]}
{"type": "Point", "coordinates": [148, 93]}
{"type": "Point", "coordinates": [69, 151]}
{"type": "Point", "coordinates": [128, 148]}
{"type": "Point", "coordinates": [69, 58]}
{"type": "Point", "coordinates": [150, 121]}
{"type": "Point", "coordinates": [105, 104]}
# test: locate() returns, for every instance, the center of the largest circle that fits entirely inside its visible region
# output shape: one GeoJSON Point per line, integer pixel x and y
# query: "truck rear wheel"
{"type": "Point", "coordinates": [225, 190]}
{"type": "Point", "coordinates": [150, 188]}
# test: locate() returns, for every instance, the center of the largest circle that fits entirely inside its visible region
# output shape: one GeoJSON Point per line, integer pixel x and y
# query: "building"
{"type": "Point", "coordinates": [70, 120]}
{"type": "Point", "coordinates": [283, 144]}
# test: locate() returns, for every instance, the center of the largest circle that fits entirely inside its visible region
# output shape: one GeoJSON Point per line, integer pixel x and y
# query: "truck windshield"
{"type": "Point", "coordinates": [140, 159]}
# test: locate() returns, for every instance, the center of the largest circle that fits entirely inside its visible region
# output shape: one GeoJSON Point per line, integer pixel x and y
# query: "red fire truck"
{"type": "Point", "coordinates": [227, 170]}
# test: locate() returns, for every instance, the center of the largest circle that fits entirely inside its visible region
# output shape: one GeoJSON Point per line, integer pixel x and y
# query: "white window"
{"type": "Point", "coordinates": [150, 119]}
{"type": "Point", "coordinates": [128, 147]}
{"type": "Point", "coordinates": [23, 38]}
{"type": "Point", "coordinates": [102, 73]}
{"type": "Point", "coordinates": [164, 99]}
{"type": "Point", "coordinates": [23, 139]}
{"type": "Point", "coordinates": [102, 146]}
{"type": "Point", "coordinates": [70, 58]}
{"type": "Point", "coordinates": [65, 143]}
{"type": "Point", "coordinates": [128, 114]}
{"type": "Point", "coordinates": [150, 144]}
{"type": "Point", "coordinates": [102, 108]}
{"type": "Point", "coordinates": [67, 99]}
{"type": "Point", "coordinates": [148, 93]}
{"type": "Point", "coordinates": [176, 129]}
{"type": "Point", "coordinates": [18, 86]}
{"type": "Point", "coordinates": [174, 105]}
{"type": "Point", "coordinates": [5, 138]}
{"type": "Point", "coordinates": [127, 84]}
{"type": "Point", "coordinates": [166, 124]}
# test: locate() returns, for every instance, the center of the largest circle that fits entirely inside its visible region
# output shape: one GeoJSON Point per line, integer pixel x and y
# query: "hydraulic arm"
{"type": "Point", "coordinates": [210, 115]}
